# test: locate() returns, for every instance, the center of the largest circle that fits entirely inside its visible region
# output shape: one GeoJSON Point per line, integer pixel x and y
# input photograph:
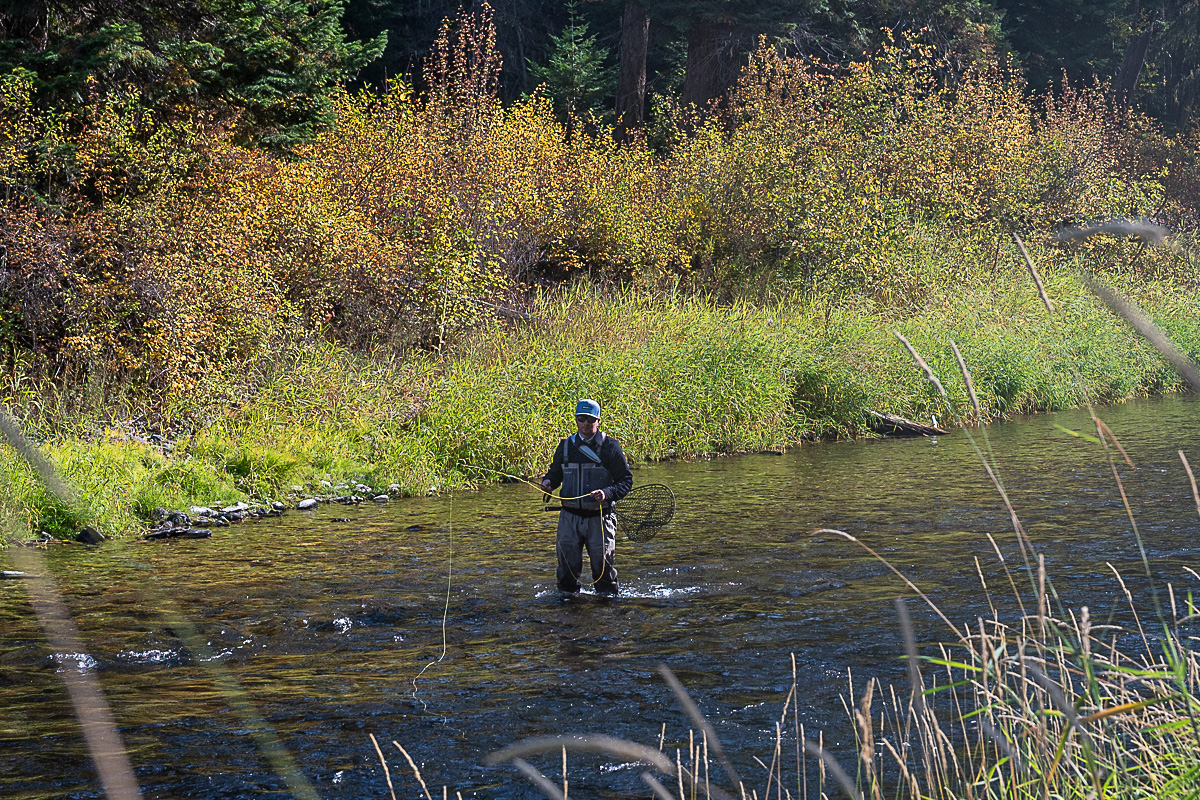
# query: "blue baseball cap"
{"type": "Point", "coordinates": [589, 407]}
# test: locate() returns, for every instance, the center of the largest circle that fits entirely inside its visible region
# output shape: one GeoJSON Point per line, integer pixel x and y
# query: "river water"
{"type": "Point", "coordinates": [434, 622]}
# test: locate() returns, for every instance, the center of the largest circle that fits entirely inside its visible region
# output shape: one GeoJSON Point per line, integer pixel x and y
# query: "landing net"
{"type": "Point", "coordinates": [644, 511]}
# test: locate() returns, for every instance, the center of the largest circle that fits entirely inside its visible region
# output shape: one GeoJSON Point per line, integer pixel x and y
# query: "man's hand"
{"type": "Point", "coordinates": [598, 495]}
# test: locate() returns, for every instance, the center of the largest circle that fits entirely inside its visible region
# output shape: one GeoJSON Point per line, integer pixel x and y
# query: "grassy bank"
{"type": "Point", "coordinates": [354, 312]}
{"type": "Point", "coordinates": [677, 376]}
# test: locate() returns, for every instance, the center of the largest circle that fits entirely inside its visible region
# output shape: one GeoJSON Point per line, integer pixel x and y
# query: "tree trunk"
{"type": "Point", "coordinates": [631, 80]}
{"type": "Point", "coordinates": [25, 19]}
{"type": "Point", "coordinates": [710, 62]}
{"type": "Point", "coordinates": [1131, 67]}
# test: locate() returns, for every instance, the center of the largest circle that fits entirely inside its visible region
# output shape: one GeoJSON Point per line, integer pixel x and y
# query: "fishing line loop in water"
{"type": "Point", "coordinates": [445, 609]}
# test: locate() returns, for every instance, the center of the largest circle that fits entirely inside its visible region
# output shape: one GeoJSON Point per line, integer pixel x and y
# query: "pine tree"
{"type": "Point", "coordinates": [576, 75]}
{"type": "Point", "coordinates": [272, 63]}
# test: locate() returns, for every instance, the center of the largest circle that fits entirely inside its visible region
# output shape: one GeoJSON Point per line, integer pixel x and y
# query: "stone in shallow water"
{"type": "Point", "coordinates": [89, 535]}
{"type": "Point", "coordinates": [308, 504]}
{"type": "Point", "coordinates": [235, 508]}
{"type": "Point", "coordinates": [200, 511]}
{"type": "Point", "coordinates": [381, 498]}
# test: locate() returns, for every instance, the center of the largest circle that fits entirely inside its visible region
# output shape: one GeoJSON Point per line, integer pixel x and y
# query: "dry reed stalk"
{"type": "Point", "coordinates": [803, 757]}
{"type": "Point", "coordinates": [538, 779]}
{"type": "Point", "coordinates": [1059, 700]}
{"type": "Point", "coordinates": [386, 773]}
{"type": "Point", "coordinates": [1106, 431]}
{"type": "Point", "coordinates": [1153, 234]}
{"type": "Point", "coordinates": [693, 711]}
{"type": "Point", "coordinates": [981, 655]}
{"type": "Point", "coordinates": [413, 765]}
{"type": "Point", "coordinates": [1022, 537]}
{"type": "Point", "coordinates": [951, 751]}
{"type": "Point", "coordinates": [777, 750]}
{"type": "Point", "coordinates": [707, 784]}
{"type": "Point", "coordinates": [1041, 595]}
{"type": "Point", "coordinates": [903, 725]}
{"type": "Point", "coordinates": [896, 572]}
{"type": "Point", "coordinates": [1191, 480]}
{"type": "Point", "coordinates": [1033, 273]}
{"type": "Point", "coordinates": [679, 773]}
{"type": "Point", "coordinates": [796, 719]}
{"type": "Point", "coordinates": [987, 593]}
{"type": "Point", "coordinates": [1133, 608]}
{"type": "Point", "coordinates": [659, 790]}
{"type": "Point", "coordinates": [966, 374]}
{"type": "Point", "coordinates": [1140, 322]}
{"type": "Point", "coordinates": [925, 369]}
{"type": "Point", "coordinates": [914, 664]}
{"type": "Point", "coordinates": [1001, 741]}
{"type": "Point", "coordinates": [828, 762]}
{"type": "Point", "coordinates": [1008, 573]}
{"type": "Point", "coordinates": [87, 698]}
{"type": "Point", "coordinates": [33, 454]}
{"type": "Point", "coordinates": [866, 730]}
{"type": "Point", "coordinates": [692, 759]}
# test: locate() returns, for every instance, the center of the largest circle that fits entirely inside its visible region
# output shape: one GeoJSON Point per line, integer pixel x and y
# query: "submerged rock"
{"type": "Point", "coordinates": [170, 532]}
{"type": "Point", "coordinates": [196, 533]}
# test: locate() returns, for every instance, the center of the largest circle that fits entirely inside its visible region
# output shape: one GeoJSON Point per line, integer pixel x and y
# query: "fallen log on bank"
{"type": "Point", "coordinates": [892, 425]}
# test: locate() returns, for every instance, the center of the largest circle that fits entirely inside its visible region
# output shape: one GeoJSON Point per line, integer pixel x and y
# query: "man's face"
{"type": "Point", "coordinates": [587, 425]}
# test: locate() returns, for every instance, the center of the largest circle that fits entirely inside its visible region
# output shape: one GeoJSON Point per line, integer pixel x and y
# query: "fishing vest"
{"type": "Point", "coordinates": [583, 477]}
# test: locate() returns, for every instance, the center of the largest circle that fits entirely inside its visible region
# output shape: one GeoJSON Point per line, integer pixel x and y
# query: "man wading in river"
{"type": "Point", "coordinates": [591, 466]}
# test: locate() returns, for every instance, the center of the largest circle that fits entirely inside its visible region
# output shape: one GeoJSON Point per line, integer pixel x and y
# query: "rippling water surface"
{"type": "Point", "coordinates": [435, 622]}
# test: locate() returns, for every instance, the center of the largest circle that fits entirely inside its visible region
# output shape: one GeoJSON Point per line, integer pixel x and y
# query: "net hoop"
{"type": "Point", "coordinates": [643, 512]}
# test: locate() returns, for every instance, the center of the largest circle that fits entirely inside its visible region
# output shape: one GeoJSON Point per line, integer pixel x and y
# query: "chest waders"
{"type": "Point", "coordinates": [583, 525]}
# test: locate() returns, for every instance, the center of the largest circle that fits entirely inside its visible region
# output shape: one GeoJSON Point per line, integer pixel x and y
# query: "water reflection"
{"type": "Point", "coordinates": [435, 622]}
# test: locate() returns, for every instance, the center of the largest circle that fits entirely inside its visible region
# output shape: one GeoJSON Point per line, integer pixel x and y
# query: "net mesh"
{"type": "Point", "coordinates": [646, 509]}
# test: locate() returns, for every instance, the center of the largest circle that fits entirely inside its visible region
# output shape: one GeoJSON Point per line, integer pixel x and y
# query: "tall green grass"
{"type": "Point", "coordinates": [676, 375]}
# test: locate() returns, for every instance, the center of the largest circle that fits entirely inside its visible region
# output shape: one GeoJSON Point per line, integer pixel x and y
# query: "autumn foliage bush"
{"type": "Point", "coordinates": [160, 252]}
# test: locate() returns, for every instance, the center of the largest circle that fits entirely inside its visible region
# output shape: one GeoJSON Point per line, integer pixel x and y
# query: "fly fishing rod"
{"type": "Point", "coordinates": [641, 514]}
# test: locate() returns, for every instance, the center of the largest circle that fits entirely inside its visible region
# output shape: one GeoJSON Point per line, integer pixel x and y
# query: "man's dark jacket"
{"type": "Point", "coordinates": [612, 458]}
